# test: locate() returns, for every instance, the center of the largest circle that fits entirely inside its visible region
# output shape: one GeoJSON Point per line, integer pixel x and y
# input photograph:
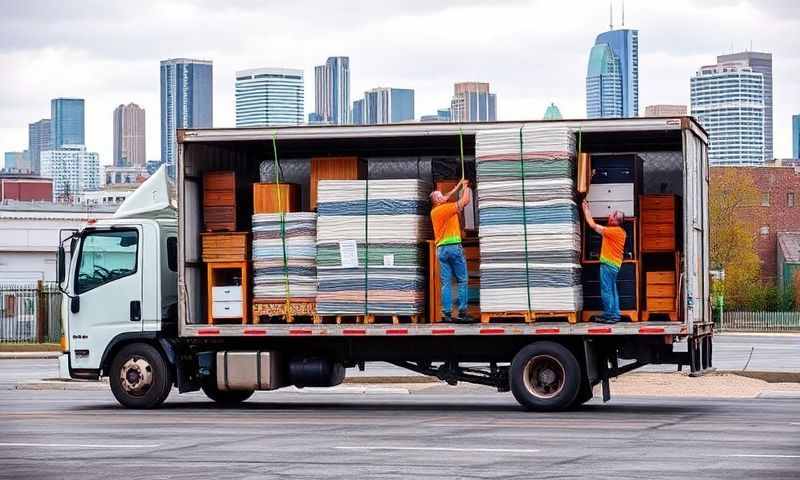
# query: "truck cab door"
{"type": "Point", "coordinates": [107, 292]}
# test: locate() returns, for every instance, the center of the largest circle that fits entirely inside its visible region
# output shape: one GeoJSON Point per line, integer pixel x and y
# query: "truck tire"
{"type": "Point", "coordinates": [226, 398]}
{"type": "Point", "coordinates": [140, 377]}
{"type": "Point", "coordinates": [545, 376]}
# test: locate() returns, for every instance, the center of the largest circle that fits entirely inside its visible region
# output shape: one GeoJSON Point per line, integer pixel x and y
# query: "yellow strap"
{"type": "Point", "coordinates": [287, 310]}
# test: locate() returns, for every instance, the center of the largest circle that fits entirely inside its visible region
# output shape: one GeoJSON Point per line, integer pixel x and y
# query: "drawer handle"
{"type": "Point", "coordinates": [227, 291]}
{"type": "Point", "coordinates": [227, 308]}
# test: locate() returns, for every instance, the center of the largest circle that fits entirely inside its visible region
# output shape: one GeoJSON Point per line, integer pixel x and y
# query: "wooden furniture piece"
{"type": "Point", "coordinates": [219, 201]}
{"type": "Point", "coordinates": [661, 290]}
{"type": "Point", "coordinates": [615, 184]}
{"type": "Point", "coordinates": [627, 286]}
{"type": "Point", "coordinates": [658, 216]}
{"type": "Point", "coordinates": [227, 291]}
{"type": "Point", "coordinates": [472, 254]}
{"type": "Point", "coordinates": [272, 198]}
{"type": "Point", "coordinates": [331, 168]}
{"type": "Point", "coordinates": [298, 307]}
{"type": "Point", "coordinates": [225, 246]}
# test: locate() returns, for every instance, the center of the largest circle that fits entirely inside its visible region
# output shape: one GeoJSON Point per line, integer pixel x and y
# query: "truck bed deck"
{"type": "Point", "coordinates": [544, 328]}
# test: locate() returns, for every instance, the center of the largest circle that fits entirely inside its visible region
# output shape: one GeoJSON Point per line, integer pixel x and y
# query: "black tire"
{"type": "Point", "coordinates": [226, 398]}
{"type": "Point", "coordinates": [545, 376]}
{"type": "Point", "coordinates": [140, 376]}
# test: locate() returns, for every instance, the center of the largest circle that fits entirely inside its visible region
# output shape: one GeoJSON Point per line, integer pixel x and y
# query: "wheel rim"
{"type": "Point", "coordinates": [544, 376]}
{"type": "Point", "coordinates": [136, 376]}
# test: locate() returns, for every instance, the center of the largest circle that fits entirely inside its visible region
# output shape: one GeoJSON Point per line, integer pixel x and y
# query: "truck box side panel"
{"type": "Point", "coordinates": [695, 279]}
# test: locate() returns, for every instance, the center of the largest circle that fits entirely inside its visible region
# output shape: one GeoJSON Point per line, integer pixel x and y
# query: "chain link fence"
{"type": "Point", "coordinates": [30, 312]}
{"type": "Point", "coordinates": [764, 322]}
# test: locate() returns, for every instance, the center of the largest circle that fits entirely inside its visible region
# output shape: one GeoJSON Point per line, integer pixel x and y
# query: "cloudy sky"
{"type": "Point", "coordinates": [532, 51]}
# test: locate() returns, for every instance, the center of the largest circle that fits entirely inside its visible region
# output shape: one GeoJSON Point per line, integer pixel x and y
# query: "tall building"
{"type": "Point", "coordinates": [269, 96]}
{"type": "Point", "coordinates": [73, 170]}
{"type": "Point", "coordinates": [67, 127]}
{"type": "Point", "coordinates": [472, 102]}
{"type": "Point", "coordinates": [387, 105]}
{"type": "Point", "coordinates": [17, 160]}
{"type": "Point", "coordinates": [442, 115]}
{"type": "Point", "coordinates": [358, 115]}
{"type": "Point", "coordinates": [796, 136]}
{"type": "Point", "coordinates": [761, 63]}
{"type": "Point", "coordinates": [186, 101]}
{"type": "Point", "coordinates": [38, 141]}
{"type": "Point", "coordinates": [728, 99]}
{"type": "Point", "coordinates": [612, 79]}
{"type": "Point", "coordinates": [552, 112]}
{"type": "Point", "coordinates": [664, 110]}
{"type": "Point", "coordinates": [129, 133]}
{"type": "Point", "coordinates": [332, 91]}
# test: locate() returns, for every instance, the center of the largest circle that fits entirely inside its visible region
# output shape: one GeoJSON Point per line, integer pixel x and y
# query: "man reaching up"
{"type": "Point", "coordinates": [611, 251]}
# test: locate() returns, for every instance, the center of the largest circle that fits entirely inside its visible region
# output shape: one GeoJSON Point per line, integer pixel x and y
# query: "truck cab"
{"type": "Point", "coordinates": [119, 284]}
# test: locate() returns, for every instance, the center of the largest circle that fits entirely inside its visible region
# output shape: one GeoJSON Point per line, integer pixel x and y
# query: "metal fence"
{"type": "Point", "coordinates": [30, 312]}
{"type": "Point", "coordinates": [767, 322]}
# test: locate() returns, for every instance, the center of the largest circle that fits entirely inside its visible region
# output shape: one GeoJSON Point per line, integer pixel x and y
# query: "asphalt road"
{"type": "Point", "coordinates": [450, 433]}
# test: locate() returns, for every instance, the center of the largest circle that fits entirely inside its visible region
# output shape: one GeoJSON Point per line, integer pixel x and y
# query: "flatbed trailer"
{"type": "Point", "coordinates": [546, 364]}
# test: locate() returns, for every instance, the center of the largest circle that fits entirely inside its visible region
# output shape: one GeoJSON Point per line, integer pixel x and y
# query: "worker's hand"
{"type": "Point", "coordinates": [465, 183]}
{"type": "Point", "coordinates": [585, 206]}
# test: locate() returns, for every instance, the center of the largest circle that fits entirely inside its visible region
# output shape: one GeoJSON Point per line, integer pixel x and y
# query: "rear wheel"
{"type": "Point", "coordinates": [226, 398]}
{"type": "Point", "coordinates": [545, 376]}
{"type": "Point", "coordinates": [140, 377]}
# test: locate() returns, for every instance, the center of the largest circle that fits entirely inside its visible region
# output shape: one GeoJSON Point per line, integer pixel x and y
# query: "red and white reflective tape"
{"type": "Point", "coordinates": [208, 331]}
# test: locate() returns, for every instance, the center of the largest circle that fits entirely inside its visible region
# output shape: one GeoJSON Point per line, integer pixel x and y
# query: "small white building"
{"type": "Point", "coordinates": [72, 169]}
{"type": "Point", "coordinates": [29, 236]}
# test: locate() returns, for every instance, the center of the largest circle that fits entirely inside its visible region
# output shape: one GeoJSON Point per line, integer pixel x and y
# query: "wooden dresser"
{"type": "Point", "coordinates": [219, 201]}
{"type": "Point", "coordinates": [658, 214]}
{"type": "Point", "coordinates": [276, 198]}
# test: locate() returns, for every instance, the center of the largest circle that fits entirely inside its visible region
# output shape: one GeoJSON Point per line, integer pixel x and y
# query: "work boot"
{"type": "Point", "coordinates": [447, 319]}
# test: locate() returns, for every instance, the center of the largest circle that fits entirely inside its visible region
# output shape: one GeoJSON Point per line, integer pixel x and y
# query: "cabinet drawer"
{"type": "Point", "coordinates": [661, 290]}
{"type": "Point", "coordinates": [225, 180]}
{"type": "Point", "coordinates": [658, 202]}
{"type": "Point", "coordinates": [231, 293]}
{"type": "Point", "coordinates": [612, 174]}
{"type": "Point", "coordinates": [220, 218]}
{"type": "Point", "coordinates": [658, 230]}
{"type": "Point", "coordinates": [218, 198]}
{"type": "Point", "coordinates": [657, 244]}
{"type": "Point", "coordinates": [658, 216]}
{"type": "Point", "coordinates": [604, 209]}
{"type": "Point", "coordinates": [611, 192]}
{"type": "Point", "coordinates": [226, 309]}
{"type": "Point", "coordinates": [660, 278]}
{"type": "Point", "coordinates": [662, 304]}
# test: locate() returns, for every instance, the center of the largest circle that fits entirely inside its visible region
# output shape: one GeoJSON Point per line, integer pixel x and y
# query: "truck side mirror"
{"type": "Point", "coordinates": [75, 304]}
{"type": "Point", "coordinates": [60, 265]}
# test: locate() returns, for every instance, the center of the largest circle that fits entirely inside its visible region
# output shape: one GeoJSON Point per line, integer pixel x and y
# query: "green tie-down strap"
{"type": "Point", "coordinates": [524, 219]}
{"type": "Point", "coordinates": [287, 307]}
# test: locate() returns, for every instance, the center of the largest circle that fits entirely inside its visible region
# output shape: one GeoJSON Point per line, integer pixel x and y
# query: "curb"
{"type": "Point", "coordinates": [28, 355]}
{"type": "Point", "coordinates": [769, 377]}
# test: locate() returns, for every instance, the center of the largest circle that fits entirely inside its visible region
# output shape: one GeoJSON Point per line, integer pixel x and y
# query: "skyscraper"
{"type": "Point", "coordinates": [129, 133]}
{"type": "Point", "coordinates": [358, 117]}
{"type": "Point", "coordinates": [186, 101]}
{"type": "Point", "coordinates": [472, 102]}
{"type": "Point", "coordinates": [73, 170]}
{"type": "Point", "coordinates": [67, 127]}
{"type": "Point", "coordinates": [17, 160]}
{"type": "Point", "coordinates": [796, 136]}
{"type": "Point", "coordinates": [38, 141]}
{"type": "Point", "coordinates": [332, 91]}
{"type": "Point", "coordinates": [388, 105]}
{"type": "Point", "coordinates": [761, 63]}
{"type": "Point", "coordinates": [613, 71]}
{"type": "Point", "coordinates": [728, 99]}
{"type": "Point", "coordinates": [269, 96]}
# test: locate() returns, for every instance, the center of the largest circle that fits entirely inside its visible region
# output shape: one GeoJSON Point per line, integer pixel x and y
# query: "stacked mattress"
{"type": "Point", "coordinates": [370, 246]}
{"type": "Point", "coordinates": [269, 272]}
{"type": "Point", "coordinates": [530, 244]}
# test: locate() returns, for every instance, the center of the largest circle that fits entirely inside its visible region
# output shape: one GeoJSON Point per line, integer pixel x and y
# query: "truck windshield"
{"type": "Point", "coordinates": [105, 257]}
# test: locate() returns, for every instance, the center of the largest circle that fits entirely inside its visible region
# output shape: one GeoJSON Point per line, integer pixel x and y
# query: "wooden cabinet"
{"type": "Point", "coordinates": [276, 198]}
{"type": "Point", "coordinates": [658, 219]}
{"type": "Point", "coordinates": [227, 291]}
{"type": "Point", "coordinates": [661, 292]}
{"type": "Point", "coordinates": [331, 168]}
{"type": "Point", "coordinates": [225, 246]}
{"type": "Point", "coordinates": [219, 201]}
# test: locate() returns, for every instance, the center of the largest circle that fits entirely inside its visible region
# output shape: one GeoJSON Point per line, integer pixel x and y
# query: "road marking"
{"type": "Point", "coordinates": [756, 455]}
{"type": "Point", "coordinates": [77, 445]}
{"type": "Point", "coordinates": [443, 449]}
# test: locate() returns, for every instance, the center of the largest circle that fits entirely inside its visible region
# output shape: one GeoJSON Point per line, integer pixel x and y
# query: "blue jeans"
{"type": "Point", "coordinates": [608, 291]}
{"type": "Point", "coordinates": [452, 262]}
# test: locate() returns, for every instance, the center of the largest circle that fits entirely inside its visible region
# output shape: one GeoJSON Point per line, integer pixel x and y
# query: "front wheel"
{"type": "Point", "coordinates": [140, 377]}
{"type": "Point", "coordinates": [226, 398]}
{"type": "Point", "coordinates": [545, 376]}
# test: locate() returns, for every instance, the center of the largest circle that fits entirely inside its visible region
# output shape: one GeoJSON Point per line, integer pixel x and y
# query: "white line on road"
{"type": "Point", "coordinates": [443, 449]}
{"type": "Point", "coordinates": [77, 445]}
{"type": "Point", "coordinates": [756, 455]}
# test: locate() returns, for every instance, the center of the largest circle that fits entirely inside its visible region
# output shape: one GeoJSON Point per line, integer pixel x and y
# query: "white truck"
{"type": "Point", "coordinates": [134, 299]}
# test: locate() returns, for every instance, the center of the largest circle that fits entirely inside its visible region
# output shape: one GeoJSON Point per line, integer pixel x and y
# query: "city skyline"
{"type": "Point", "coordinates": [269, 96]}
{"type": "Point", "coordinates": [122, 69]}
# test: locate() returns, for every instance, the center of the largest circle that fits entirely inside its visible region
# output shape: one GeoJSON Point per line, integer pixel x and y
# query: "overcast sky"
{"type": "Point", "coordinates": [532, 52]}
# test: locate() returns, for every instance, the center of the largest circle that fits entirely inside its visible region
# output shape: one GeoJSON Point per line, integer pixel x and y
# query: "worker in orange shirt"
{"type": "Point", "coordinates": [449, 251]}
{"type": "Point", "coordinates": [611, 251]}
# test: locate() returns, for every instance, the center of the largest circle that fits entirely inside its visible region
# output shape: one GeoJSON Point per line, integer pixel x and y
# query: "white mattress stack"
{"type": "Point", "coordinates": [270, 272]}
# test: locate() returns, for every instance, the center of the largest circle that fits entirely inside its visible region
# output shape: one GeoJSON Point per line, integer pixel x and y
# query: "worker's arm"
{"type": "Point", "coordinates": [466, 197]}
{"type": "Point", "coordinates": [453, 191]}
{"type": "Point", "coordinates": [587, 214]}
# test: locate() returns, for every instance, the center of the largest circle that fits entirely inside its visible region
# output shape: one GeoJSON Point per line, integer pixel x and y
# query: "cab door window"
{"type": "Point", "coordinates": [105, 257]}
